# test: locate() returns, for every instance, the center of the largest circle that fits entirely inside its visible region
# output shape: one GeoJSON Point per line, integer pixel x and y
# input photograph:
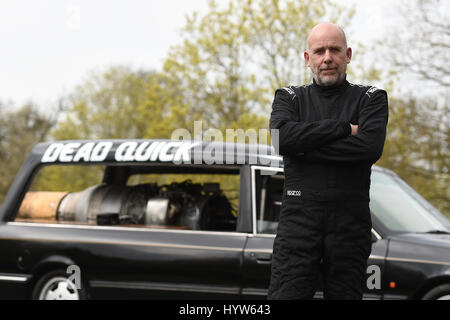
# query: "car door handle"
{"type": "Point", "coordinates": [262, 257]}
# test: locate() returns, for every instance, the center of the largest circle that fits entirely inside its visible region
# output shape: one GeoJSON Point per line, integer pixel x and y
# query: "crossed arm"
{"type": "Point", "coordinates": [331, 140]}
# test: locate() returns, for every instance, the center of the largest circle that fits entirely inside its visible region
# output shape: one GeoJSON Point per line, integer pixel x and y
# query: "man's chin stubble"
{"type": "Point", "coordinates": [327, 83]}
{"type": "Point", "coordinates": [331, 82]}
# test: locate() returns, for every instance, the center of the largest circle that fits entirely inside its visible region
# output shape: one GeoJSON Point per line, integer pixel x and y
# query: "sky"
{"type": "Point", "coordinates": [50, 46]}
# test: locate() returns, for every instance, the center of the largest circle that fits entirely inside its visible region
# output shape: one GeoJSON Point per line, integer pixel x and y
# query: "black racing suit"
{"type": "Point", "coordinates": [325, 225]}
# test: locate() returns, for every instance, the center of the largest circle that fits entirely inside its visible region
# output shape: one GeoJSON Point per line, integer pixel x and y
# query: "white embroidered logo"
{"type": "Point", "coordinates": [295, 193]}
{"type": "Point", "coordinates": [289, 90]}
{"type": "Point", "coordinates": [371, 90]}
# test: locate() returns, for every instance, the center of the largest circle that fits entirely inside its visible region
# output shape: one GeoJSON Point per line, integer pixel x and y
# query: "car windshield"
{"type": "Point", "coordinates": [401, 209]}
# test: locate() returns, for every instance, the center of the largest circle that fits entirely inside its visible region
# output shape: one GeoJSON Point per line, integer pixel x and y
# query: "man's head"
{"type": "Point", "coordinates": [327, 54]}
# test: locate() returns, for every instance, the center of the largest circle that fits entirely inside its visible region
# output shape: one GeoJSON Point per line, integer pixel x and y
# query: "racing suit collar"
{"type": "Point", "coordinates": [327, 90]}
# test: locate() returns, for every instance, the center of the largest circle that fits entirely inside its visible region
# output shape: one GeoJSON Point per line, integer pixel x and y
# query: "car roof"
{"type": "Point", "coordinates": [207, 152]}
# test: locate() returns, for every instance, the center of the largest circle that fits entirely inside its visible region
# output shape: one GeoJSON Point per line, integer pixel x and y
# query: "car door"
{"type": "Point", "coordinates": [167, 264]}
{"type": "Point", "coordinates": [124, 260]}
{"type": "Point", "coordinates": [267, 190]}
{"type": "Point", "coordinates": [133, 263]}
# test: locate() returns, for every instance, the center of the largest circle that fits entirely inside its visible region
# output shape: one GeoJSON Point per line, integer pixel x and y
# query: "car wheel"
{"type": "Point", "coordinates": [56, 285]}
{"type": "Point", "coordinates": [441, 292]}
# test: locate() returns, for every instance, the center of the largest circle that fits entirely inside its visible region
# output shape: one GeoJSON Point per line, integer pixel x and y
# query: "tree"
{"type": "Point", "coordinates": [105, 106]}
{"type": "Point", "coordinates": [419, 45]}
{"type": "Point", "coordinates": [20, 130]}
{"type": "Point", "coordinates": [118, 103]}
{"type": "Point", "coordinates": [418, 134]}
{"type": "Point", "coordinates": [122, 103]}
{"type": "Point", "coordinates": [417, 151]}
{"type": "Point", "coordinates": [231, 60]}
{"type": "Point", "coordinates": [224, 72]}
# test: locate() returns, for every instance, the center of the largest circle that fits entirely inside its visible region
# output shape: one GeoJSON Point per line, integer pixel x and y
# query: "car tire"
{"type": "Point", "coordinates": [441, 292]}
{"type": "Point", "coordinates": [55, 285]}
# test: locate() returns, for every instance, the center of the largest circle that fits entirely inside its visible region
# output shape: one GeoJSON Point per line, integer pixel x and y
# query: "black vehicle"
{"type": "Point", "coordinates": [160, 219]}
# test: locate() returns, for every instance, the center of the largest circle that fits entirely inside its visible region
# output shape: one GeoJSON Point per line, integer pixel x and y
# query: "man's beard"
{"type": "Point", "coordinates": [330, 80]}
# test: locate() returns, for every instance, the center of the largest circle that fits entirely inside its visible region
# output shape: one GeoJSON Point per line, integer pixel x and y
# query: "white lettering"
{"type": "Point", "coordinates": [164, 155]}
{"type": "Point", "coordinates": [164, 151]}
{"type": "Point", "coordinates": [129, 155]}
{"type": "Point", "coordinates": [67, 151]}
{"type": "Point", "coordinates": [75, 277]}
{"type": "Point", "coordinates": [191, 310]}
{"type": "Point", "coordinates": [52, 152]}
{"type": "Point", "coordinates": [155, 153]}
{"type": "Point", "coordinates": [84, 152]}
{"type": "Point", "coordinates": [125, 151]}
{"type": "Point", "coordinates": [198, 135]}
{"type": "Point", "coordinates": [296, 193]}
{"type": "Point", "coordinates": [101, 151]}
{"type": "Point", "coordinates": [213, 153]}
{"type": "Point", "coordinates": [142, 152]}
{"type": "Point", "coordinates": [183, 153]}
{"type": "Point", "coordinates": [181, 134]}
{"type": "Point", "coordinates": [263, 135]}
{"type": "Point", "coordinates": [374, 280]}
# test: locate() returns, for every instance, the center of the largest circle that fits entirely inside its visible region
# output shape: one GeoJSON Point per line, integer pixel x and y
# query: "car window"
{"type": "Point", "coordinates": [268, 195]}
{"type": "Point", "coordinates": [194, 201]}
{"type": "Point", "coordinates": [400, 208]}
{"type": "Point", "coordinates": [392, 202]}
{"type": "Point", "coordinates": [71, 194]}
{"type": "Point", "coordinates": [54, 193]}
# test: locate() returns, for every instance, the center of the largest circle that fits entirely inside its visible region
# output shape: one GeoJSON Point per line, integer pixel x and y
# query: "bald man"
{"type": "Point", "coordinates": [330, 133]}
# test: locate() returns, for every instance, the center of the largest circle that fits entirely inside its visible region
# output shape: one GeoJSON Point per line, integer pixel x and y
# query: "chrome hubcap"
{"type": "Point", "coordinates": [59, 288]}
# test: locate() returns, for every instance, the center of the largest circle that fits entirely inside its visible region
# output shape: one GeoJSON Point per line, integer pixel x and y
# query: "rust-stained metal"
{"type": "Point", "coordinates": [85, 205]}
{"type": "Point", "coordinates": [40, 205]}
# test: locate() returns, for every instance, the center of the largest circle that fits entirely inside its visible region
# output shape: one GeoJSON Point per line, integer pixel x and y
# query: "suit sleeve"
{"type": "Point", "coordinates": [367, 144]}
{"type": "Point", "coordinates": [291, 135]}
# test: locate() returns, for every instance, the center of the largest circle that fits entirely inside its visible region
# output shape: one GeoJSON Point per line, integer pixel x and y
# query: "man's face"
{"type": "Point", "coordinates": [328, 56]}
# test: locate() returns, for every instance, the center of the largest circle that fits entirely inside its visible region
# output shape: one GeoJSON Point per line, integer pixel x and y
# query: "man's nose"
{"type": "Point", "coordinates": [327, 58]}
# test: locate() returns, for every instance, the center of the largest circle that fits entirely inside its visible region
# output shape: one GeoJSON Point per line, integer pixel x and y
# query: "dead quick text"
{"type": "Point", "coordinates": [163, 151]}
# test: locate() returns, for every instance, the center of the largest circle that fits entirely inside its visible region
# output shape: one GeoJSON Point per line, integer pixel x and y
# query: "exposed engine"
{"type": "Point", "coordinates": [186, 205]}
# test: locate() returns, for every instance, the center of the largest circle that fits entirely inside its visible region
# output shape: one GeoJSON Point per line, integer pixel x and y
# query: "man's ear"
{"type": "Point", "coordinates": [349, 55]}
{"type": "Point", "coordinates": [306, 56]}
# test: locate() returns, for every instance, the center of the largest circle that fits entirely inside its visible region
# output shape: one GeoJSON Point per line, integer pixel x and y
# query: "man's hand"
{"type": "Point", "coordinates": [354, 129]}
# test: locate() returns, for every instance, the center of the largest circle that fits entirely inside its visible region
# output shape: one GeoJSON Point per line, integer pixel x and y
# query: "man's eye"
{"type": "Point", "coordinates": [319, 51]}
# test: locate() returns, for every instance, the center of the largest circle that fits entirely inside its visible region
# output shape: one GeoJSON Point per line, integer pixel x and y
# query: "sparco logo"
{"type": "Point", "coordinates": [296, 193]}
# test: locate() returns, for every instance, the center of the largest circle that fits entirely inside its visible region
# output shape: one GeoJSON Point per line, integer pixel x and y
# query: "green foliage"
{"type": "Point", "coordinates": [232, 59]}
{"type": "Point", "coordinates": [68, 178]}
{"type": "Point", "coordinates": [20, 130]}
{"type": "Point", "coordinates": [105, 106]}
{"type": "Point", "coordinates": [163, 109]}
{"type": "Point", "coordinates": [122, 103]}
{"type": "Point", "coordinates": [417, 148]}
